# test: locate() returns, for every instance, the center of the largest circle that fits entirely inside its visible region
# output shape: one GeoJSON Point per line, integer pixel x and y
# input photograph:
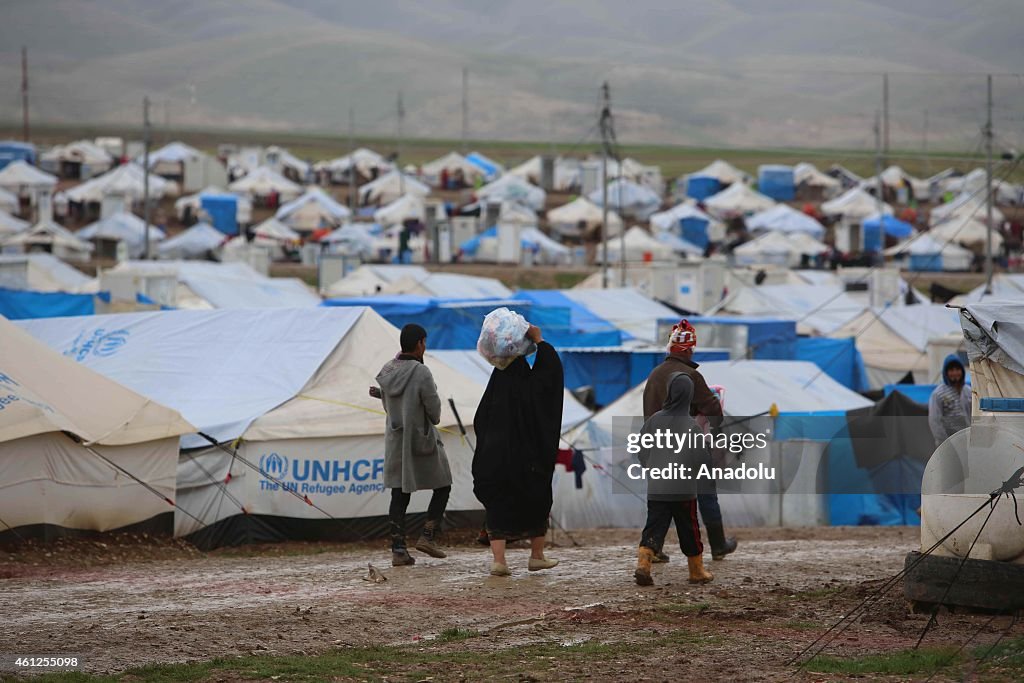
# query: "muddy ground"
{"type": "Point", "coordinates": [131, 602]}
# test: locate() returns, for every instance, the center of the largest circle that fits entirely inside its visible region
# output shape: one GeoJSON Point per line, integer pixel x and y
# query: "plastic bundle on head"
{"type": "Point", "coordinates": [503, 338]}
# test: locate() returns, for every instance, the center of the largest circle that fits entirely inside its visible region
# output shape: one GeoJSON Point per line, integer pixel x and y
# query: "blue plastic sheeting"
{"type": "Point", "coordinates": [694, 231]}
{"type": "Point", "coordinates": [17, 304]}
{"type": "Point", "coordinates": [11, 150]}
{"type": "Point", "coordinates": [893, 227]}
{"type": "Point", "coordinates": [767, 338]}
{"type": "Point", "coordinates": [838, 358]}
{"type": "Point", "coordinates": [776, 182]}
{"type": "Point", "coordinates": [470, 246]}
{"type": "Point", "coordinates": [702, 186]}
{"type": "Point", "coordinates": [485, 164]}
{"type": "Point", "coordinates": [223, 210]}
{"type": "Point", "coordinates": [587, 329]}
{"type": "Point", "coordinates": [454, 324]}
{"type": "Point", "coordinates": [926, 262]}
{"type": "Point", "coordinates": [860, 508]}
{"type": "Point", "coordinates": [614, 372]}
{"type": "Point", "coordinates": [915, 392]}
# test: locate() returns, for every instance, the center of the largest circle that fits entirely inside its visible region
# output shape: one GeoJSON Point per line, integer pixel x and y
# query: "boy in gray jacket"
{"type": "Point", "coordinates": [414, 457]}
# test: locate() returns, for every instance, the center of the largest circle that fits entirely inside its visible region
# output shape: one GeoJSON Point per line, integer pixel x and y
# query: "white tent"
{"type": "Point", "coordinates": [313, 210]}
{"type": "Point", "coordinates": [975, 182]}
{"type": "Point", "coordinates": [965, 207]}
{"type": "Point", "coordinates": [391, 186]}
{"type": "Point", "coordinates": [545, 251]}
{"type": "Point", "coordinates": [273, 229]}
{"type": "Point", "coordinates": [807, 174]}
{"type": "Point", "coordinates": [195, 242]}
{"type": "Point", "coordinates": [25, 180]}
{"type": "Point", "coordinates": [10, 225]}
{"type": "Point", "coordinates": [195, 202]}
{"type": "Point", "coordinates": [778, 248]}
{"type": "Point", "coordinates": [817, 309]}
{"type": "Point", "coordinates": [514, 212]}
{"type": "Point", "coordinates": [451, 162]}
{"type": "Point", "coordinates": [64, 428]}
{"type": "Point", "coordinates": [262, 181]}
{"type": "Point", "coordinates": [369, 279]}
{"type": "Point", "coordinates": [408, 206]}
{"type": "Point", "coordinates": [738, 199]}
{"type": "Point", "coordinates": [51, 237]}
{"type": "Point", "coordinates": [43, 273]}
{"type": "Point", "coordinates": [947, 255]}
{"type": "Point", "coordinates": [472, 365]}
{"type": "Point", "coordinates": [678, 244]}
{"type": "Point", "coordinates": [894, 340]}
{"type": "Point", "coordinates": [94, 160]}
{"type": "Point", "coordinates": [567, 173]}
{"type": "Point", "coordinates": [1005, 286]}
{"type": "Point", "coordinates": [170, 156]}
{"type": "Point", "coordinates": [639, 246]}
{"type": "Point", "coordinates": [896, 178]}
{"type": "Point", "coordinates": [609, 498]}
{"type": "Point", "coordinates": [206, 285]}
{"type": "Point", "coordinates": [127, 180]}
{"type": "Point", "coordinates": [626, 308]}
{"type": "Point", "coordinates": [669, 220]}
{"type": "Point", "coordinates": [628, 198]}
{"type": "Point", "coordinates": [292, 385]}
{"type": "Point", "coordinates": [351, 238]}
{"type": "Point", "coordinates": [125, 227]}
{"type": "Point", "coordinates": [723, 171]}
{"type": "Point", "coordinates": [364, 160]}
{"type": "Point", "coordinates": [9, 202]}
{"type": "Point", "coordinates": [512, 188]}
{"type": "Point", "coordinates": [854, 204]}
{"type": "Point", "coordinates": [968, 231]}
{"type": "Point", "coordinates": [783, 218]}
{"type": "Point", "coordinates": [566, 219]}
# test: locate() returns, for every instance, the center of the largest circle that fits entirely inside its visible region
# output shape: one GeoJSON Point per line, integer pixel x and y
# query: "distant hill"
{"type": "Point", "coordinates": [721, 72]}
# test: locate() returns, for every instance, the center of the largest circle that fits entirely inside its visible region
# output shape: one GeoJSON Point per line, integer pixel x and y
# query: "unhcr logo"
{"type": "Point", "coordinates": [99, 343]}
{"type": "Point", "coordinates": [274, 465]}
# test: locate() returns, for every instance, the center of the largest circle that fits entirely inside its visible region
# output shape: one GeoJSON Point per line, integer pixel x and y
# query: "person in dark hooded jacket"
{"type": "Point", "coordinates": [949, 406]}
{"type": "Point", "coordinates": [672, 500]}
{"type": "Point", "coordinates": [518, 424]}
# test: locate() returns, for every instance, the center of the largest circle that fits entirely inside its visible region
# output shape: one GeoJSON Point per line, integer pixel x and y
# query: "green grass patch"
{"type": "Point", "coordinates": [902, 663]}
{"type": "Point", "coordinates": [452, 634]}
{"type": "Point", "coordinates": [1008, 654]}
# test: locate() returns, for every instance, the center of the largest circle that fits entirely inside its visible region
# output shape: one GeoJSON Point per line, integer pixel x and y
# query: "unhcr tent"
{"type": "Point", "coordinates": [817, 309]}
{"type": "Point", "coordinates": [926, 253]}
{"type": "Point", "coordinates": [74, 445]}
{"type": "Point", "coordinates": [783, 218]}
{"type": "Point", "coordinates": [628, 198]}
{"type": "Point", "coordinates": [9, 225]}
{"type": "Point", "coordinates": [724, 172]}
{"type": "Point", "coordinates": [968, 231]}
{"type": "Point", "coordinates": [406, 207]}
{"type": "Point", "coordinates": [288, 388]}
{"type": "Point", "coordinates": [453, 161]}
{"type": "Point", "coordinates": [43, 273]}
{"type": "Point", "coordinates": [26, 180]}
{"type": "Point", "coordinates": [491, 168]}
{"type": "Point", "coordinates": [808, 175]}
{"type": "Point", "coordinates": [313, 210]}
{"type": "Point", "coordinates": [640, 246]}
{"type": "Point", "coordinates": [127, 180]}
{"type": "Point", "coordinates": [195, 242]}
{"type": "Point", "coordinates": [262, 181]}
{"type": "Point", "coordinates": [634, 314]}
{"type": "Point", "coordinates": [510, 188]}
{"type": "Point", "coordinates": [51, 237]}
{"type": "Point", "coordinates": [966, 206]}
{"type": "Point", "coordinates": [778, 248]}
{"type": "Point", "coordinates": [365, 161]}
{"type": "Point", "coordinates": [566, 173]}
{"type": "Point", "coordinates": [855, 204]}
{"type": "Point", "coordinates": [194, 203]}
{"type": "Point", "coordinates": [351, 238]}
{"type": "Point", "coordinates": [391, 186]}
{"type": "Point", "coordinates": [1005, 287]}
{"type": "Point", "coordinates": [566, 219]}
{"type": "Point", "coordinates": [125, 227]}
{"type": "Point", "coordinates": [738, 199]}
{"type": "Point", "coordinates": [610, 499]}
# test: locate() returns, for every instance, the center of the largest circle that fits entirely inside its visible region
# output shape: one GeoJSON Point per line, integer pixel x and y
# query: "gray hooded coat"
{"type": "Point", "coordinates": [414, 457]}
{"type": "Point", "coordinates": [674, 416]}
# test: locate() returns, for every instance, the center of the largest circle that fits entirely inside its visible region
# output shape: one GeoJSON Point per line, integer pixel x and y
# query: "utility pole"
{"type": "Point", "coordinates": [604, 123]}
{"type": "Point", "coordinates": [398, 145]}
{"type": "Point", "coordinates": [885, 119]}
{"type": "Point", "coordinates": [351, 160]}
{"type": "Point", "coordinates": [988, 193]}
{"type": "Point", "coordinates": [465, 110]}
{"type": "Point", "coordinates": [880, 188]}
{"type": "Point", "coordinates": [24, 93]}
{"type": "Point", "coordinates": [927, 162]}
{"type": "Point", "coordinates": [146, 141]}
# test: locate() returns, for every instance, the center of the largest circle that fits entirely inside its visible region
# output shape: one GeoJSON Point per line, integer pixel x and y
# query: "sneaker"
{"type": "Point", "coordinates": [401, 558]}
{"type": "Point", "coordinates": [537, 565]}
{"type": "Point", "coordinates": [499, 569]}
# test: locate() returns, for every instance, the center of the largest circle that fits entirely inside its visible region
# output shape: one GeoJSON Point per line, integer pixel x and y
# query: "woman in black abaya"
{"type": "Point", "coordinates": [517, 425]}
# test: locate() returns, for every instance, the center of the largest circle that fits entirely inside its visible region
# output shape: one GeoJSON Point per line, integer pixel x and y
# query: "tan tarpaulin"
{"type": "Point", "coordinates": [43, 391]}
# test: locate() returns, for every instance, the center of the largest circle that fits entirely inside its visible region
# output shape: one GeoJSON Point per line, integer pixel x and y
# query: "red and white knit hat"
{"type": "Point", "coordinates": [683, 337]}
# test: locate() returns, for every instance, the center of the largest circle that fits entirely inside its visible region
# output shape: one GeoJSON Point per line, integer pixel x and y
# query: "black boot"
{"type": "Point", "coordinates": [720, 545]}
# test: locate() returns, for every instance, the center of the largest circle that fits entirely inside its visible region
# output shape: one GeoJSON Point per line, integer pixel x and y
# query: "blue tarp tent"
{"type": "Point", "coordinates": [695, 231]}
{"type": "Point", "coordinates": [702, 186]}
{"type": "Point", "coordinates": [589, 329]}
{"type": "Point", "coordinates": [614, 371]}
{"type": "Point", "coordinates": [915, 392]}
{"type": "Point", "coordinates": [776, 182]}
{"type": "Point", "coordinates": [223, 211]}
{"type": "Point", "coordinates": [838, 358]}
{"type": "Point", "coordinates": [893, 227]}
{"type": "Point", "coordinates": [17, 304]}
